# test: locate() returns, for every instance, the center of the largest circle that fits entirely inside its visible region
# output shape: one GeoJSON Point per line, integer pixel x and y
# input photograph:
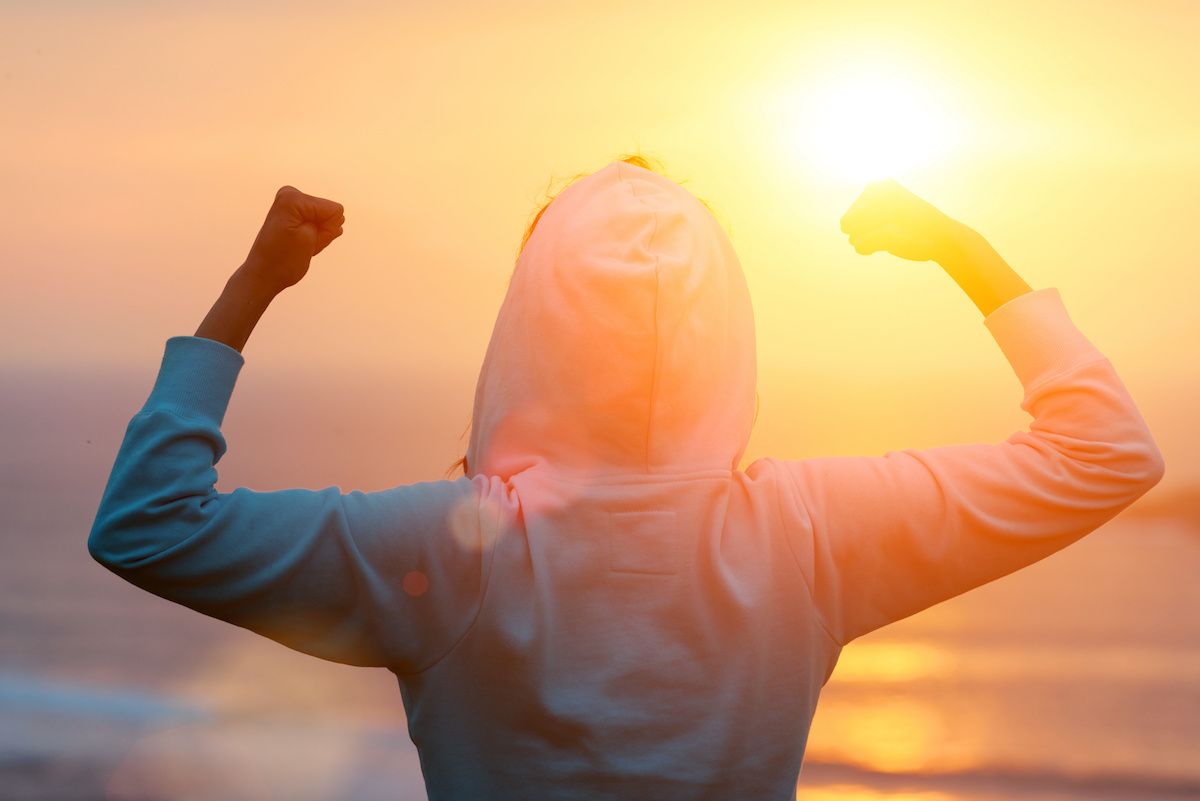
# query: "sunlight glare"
{"type": "Point", "coordinates": [891, 734]}
{"type": "Point", "coordinates": [872, 124]}
{"type": "Point", "coordinates": [892, 662]}
{"type": "Point", "coordinates": [840, 792]}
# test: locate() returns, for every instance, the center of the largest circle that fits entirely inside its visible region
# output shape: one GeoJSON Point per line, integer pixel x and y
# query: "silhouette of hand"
{"type": "Point", "coordinates": [886, 216]}
{"type": "Point", "coordinates": [298, 227]}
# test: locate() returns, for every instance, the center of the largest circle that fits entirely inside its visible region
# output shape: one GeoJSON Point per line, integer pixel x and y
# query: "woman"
{"type": "Point", "coordinates": [605, 605]}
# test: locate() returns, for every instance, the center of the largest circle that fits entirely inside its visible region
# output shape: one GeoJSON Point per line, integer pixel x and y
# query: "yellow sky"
{"type": "Point", "coordinates": [141, 144]}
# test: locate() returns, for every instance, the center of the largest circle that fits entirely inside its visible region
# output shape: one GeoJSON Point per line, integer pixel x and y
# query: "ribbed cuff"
{"type": "Point", "coordinates": [1038, 337]}
{"type": "Point", "coordinates": [196, 377]}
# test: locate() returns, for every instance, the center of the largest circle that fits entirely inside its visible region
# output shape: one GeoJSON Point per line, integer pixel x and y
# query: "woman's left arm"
{"type": "Point", "coordinates": [298, 227]}
{"type": "Point", "coordinates": [390, 578]}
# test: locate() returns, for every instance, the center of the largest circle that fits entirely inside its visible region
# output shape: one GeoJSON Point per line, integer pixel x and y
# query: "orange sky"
{"type": "Point", "coordinates": [141, 144]}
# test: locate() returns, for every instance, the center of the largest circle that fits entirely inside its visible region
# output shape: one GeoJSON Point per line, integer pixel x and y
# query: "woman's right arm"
{"type": "Point", "coordinates": [889, 217]}
{"type": "Point", "coordinates": [881, 538]}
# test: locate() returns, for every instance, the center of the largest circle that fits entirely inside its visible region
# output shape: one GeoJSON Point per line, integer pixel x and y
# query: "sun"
{"type": "Point", "coordinates": [871, 124]}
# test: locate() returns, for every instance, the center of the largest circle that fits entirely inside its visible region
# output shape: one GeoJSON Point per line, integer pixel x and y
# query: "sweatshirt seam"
{"type": "Point", "coordinates": [657, 288]}
{"type": "Point", "coordinates": [654, 367]}
{"type": "Point", "coordinates": [177, 411]}
{"type": "Point", "coordinates": [228, 352]}
{"type": "Point", "coordinates": [799, 565]}
{"type": "Point", "coordinates": [361, 592]}
{"type": "Point", "coordinates": [1033, 296]}
{"type": "Point", "coordinates": [487, 583]}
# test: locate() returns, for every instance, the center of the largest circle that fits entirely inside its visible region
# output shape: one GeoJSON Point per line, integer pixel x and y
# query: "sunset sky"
{"type": "Point", "coordinates": [142, 144]}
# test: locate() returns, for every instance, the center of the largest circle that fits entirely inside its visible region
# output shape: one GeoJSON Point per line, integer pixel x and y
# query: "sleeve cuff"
{"type": "Point", "coordinates": [1038, 337]}
{"type": "Point", "coordinates": [196, 377]}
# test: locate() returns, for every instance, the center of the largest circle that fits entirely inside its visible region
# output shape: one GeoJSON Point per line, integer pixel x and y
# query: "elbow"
{"type": "Point", "coordinates": [119, 543]}
{"type": "Point", "coordinates": [102, 545]}
{"type": "Point", "coordinates": [1142, 468]}
{"type": "Point", "coordinates": [129, 537]}
{"type": "Point", "coordinates": [1113, 474]}
{"type": "Point", "coordinates": [1154, 469]}
{"type": "Point", "coordinates": [121, 550]}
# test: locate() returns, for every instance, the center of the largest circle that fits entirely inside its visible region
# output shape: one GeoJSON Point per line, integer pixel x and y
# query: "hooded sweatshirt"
{"type": "Point", "coordinates": [607, 606]}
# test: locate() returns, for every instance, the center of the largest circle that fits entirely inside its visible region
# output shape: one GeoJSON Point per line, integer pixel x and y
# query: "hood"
{"type": "Point", "coordinates": [625, 343]}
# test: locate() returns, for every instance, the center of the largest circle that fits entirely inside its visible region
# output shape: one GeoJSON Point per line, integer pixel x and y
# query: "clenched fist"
{"type": "Point", "coordinates": [298, 227]}
{"type": "Point", "coordinates": [886, 216]}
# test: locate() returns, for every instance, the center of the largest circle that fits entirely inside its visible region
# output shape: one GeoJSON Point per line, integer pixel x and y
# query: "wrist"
{"type": "Point", "coordinates": [233, 317]}
{"type": "Point", "coordinates": [250, 283]}
{"type": "Point", "coordinates": [964, 248]}
{"type": "Point", "coordinates": [981, 273]}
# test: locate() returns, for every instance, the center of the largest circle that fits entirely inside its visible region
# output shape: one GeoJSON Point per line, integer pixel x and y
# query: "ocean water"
{"type": "Point", "coordinates": [1077, 678]}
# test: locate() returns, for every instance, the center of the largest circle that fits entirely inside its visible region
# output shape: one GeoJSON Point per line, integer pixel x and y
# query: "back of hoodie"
{"type": "Point", "coordinates": [606, 606]}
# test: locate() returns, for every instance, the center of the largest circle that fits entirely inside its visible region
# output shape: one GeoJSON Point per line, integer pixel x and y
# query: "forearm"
{"type": "Point", "coordinates": [233, 317]}
{"type": "Point", "coordinates": [981, 273]}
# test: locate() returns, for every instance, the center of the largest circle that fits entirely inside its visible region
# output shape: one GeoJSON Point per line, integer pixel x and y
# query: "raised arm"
{"type": "Point", "coordinates": [297, 228]}
{"type": "Point", "coordinates": [887, 217]}
{"type": "Point", "coordinates": [880, 538]}
{"type": "Point", "coordinates": [390, 578]}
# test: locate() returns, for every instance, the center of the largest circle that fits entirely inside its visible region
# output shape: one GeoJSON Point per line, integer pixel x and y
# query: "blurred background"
{"type": "Point", "coordinates": [140, 147]}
